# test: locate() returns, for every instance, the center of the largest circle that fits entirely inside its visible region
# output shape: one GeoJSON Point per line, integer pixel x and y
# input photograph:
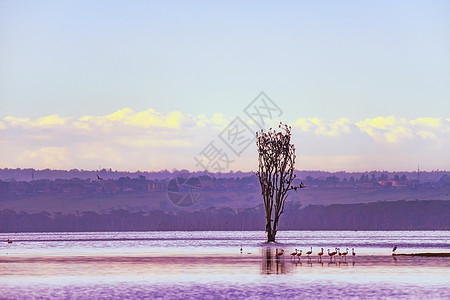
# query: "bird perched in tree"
{"type": "Point", "coordinates": [301, 186]}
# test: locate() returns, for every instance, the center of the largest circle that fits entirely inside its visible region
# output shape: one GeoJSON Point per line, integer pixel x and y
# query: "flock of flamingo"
{"type": "Point", "coordinates": [298, 253]}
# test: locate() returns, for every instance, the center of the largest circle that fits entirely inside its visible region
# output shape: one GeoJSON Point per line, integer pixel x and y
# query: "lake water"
{"type": "Point", "coordinates": [210, 265]}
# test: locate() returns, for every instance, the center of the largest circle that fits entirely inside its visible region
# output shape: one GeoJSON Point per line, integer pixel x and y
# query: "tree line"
{"type": "Point", "coordinates": [392, 215]}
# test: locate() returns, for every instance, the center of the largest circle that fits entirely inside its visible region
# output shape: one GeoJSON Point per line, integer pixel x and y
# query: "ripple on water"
{"type": "Point", "coordinates": [228, 291]}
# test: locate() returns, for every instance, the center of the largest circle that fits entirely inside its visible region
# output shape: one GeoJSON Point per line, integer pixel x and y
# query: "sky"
{"type": "Point", "coordinates": [154, 85]}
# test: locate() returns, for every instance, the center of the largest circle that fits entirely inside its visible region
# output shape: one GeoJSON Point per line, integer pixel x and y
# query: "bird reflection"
{"type": "Point", "coordinates": [273, 263]}
{"type": "Point", "coordinates": [332, 263]}
{"type": "Point", "coordinates": [343, 263]}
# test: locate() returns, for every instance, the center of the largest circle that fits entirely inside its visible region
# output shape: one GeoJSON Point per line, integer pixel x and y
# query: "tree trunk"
{"type": "Point", "coordinates": [270, 232]}
{"type": "Point", "coordinates": [271, 236]}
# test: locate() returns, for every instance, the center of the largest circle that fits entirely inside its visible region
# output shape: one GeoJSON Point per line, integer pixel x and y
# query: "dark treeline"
{"type": "Point", "coordinates": [398, 215]}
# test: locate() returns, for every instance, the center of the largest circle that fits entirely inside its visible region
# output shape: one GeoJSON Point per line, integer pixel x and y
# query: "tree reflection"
{"type": "Point", "coordinates": [272, 263]}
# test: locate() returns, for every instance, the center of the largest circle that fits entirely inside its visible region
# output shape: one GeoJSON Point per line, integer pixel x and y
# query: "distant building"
{"type": "Point", "coordinates": [388, 183]}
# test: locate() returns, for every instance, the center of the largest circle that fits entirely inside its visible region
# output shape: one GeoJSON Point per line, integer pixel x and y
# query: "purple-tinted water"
{"type": "Point", "coordinates": [170, 265]}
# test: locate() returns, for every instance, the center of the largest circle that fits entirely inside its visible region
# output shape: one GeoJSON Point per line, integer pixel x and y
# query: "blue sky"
{"type": "Point", "coordinates": [323, 60]}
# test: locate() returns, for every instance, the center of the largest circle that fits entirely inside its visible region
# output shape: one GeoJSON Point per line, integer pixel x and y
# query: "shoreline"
{"type": "Point", "coordinates": [428, 254]}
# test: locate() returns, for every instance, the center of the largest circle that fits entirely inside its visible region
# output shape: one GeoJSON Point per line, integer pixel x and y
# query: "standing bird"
{"type": "Point", "coordinates": [299, 254]}
{"type": "Point", "coordinates": [353, 252]}
{"type": "Point", "coordinates": [395, 248]}
{"type": "Point", "coordinates": [294, 254]}
{"type": "Point", "coordinates": [331, 254]}
{"type": "Point", "coordinates": [345, 253]}
{"type": "Point", "coordinates": [9, 241]}
{"type": "Point", "coordinates": [279, 253]}
{"type": "Point", "coordinates": [309, 252]}
{"type": "Point", "coordinates": [320, 254]}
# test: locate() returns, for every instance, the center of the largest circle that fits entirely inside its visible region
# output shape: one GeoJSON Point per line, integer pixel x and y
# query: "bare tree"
{"type": "Point", "coordinates": [276, 173]}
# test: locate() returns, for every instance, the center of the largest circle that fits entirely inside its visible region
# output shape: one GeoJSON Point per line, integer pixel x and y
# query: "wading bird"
{"type": "Point", "coordinates": [309, 252]}
{"type": "Point", "coordinates": [320, 254]}
{"type": "Point", "coordinates": [331, 254]}
{"type": "Point", "coordinates": [353, 252]}
{"type": "Point", "coordinates": [395, 248]}
{"type": "Point", "coordinates": [294, 254]}
{"type": "Point", "coordinates": [299, 254]}
{"type": "Point", "coordinates": [345, 253]}
{"type": "Point", "coordinates": [279, 253]}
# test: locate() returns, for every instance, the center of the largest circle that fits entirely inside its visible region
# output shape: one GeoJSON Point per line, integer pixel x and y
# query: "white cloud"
{"type": "Point", "coordinates": [394, 130]}
{"type": "Point", "coordinates": [144, 140]}
{"type": "Point", "coordinates": [45, 156]}
{"type": "Point", "coordinates": [324, 127]}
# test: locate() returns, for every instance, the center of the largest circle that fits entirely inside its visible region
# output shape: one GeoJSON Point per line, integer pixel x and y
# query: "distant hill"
{"type": "Point", "coordinates": [29, 174]}
{"type": "Point", "coordinates": [109, 200]}
{"type": "Point", "coordinates": [101, 193]}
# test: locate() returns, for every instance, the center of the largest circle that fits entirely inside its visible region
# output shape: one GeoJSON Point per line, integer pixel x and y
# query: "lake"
{"type": "Point", "coordinates": [211, 265]}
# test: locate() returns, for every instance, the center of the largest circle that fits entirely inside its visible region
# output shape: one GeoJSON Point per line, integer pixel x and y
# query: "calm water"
{"type": "Point", "coordinates": [171, 265]}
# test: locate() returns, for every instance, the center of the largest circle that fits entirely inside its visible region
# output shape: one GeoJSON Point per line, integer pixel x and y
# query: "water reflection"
{"type": "Point", "coordinates": [273, 263]}
{"type": "Point", "coordinates": [217, 265]}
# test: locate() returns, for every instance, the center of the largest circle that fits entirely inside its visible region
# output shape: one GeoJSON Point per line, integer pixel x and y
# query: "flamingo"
{"type": "Point", "coordinates": [331, 254]}
{"type": "Point", "coordinates": [9, 241]}
{"type": "Point", "coordinates": [320, 254]}
{"type": "Point", "coordinates": [309, 252]}
{"type": "Point", "coordinates": [353, 252]}
{"type": "Point", "coordinates": [339, 251]}
{"type": "Point", "coordinates": [279, 253]}
{"type": "Point", "coordinates": [345, 253]}
{"type": "Point", "coordinates": [299, 254]}
{"type": "Point", "coordinates": [294, 254]}
{"type": "Point", "coordinates": [395, 248]}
